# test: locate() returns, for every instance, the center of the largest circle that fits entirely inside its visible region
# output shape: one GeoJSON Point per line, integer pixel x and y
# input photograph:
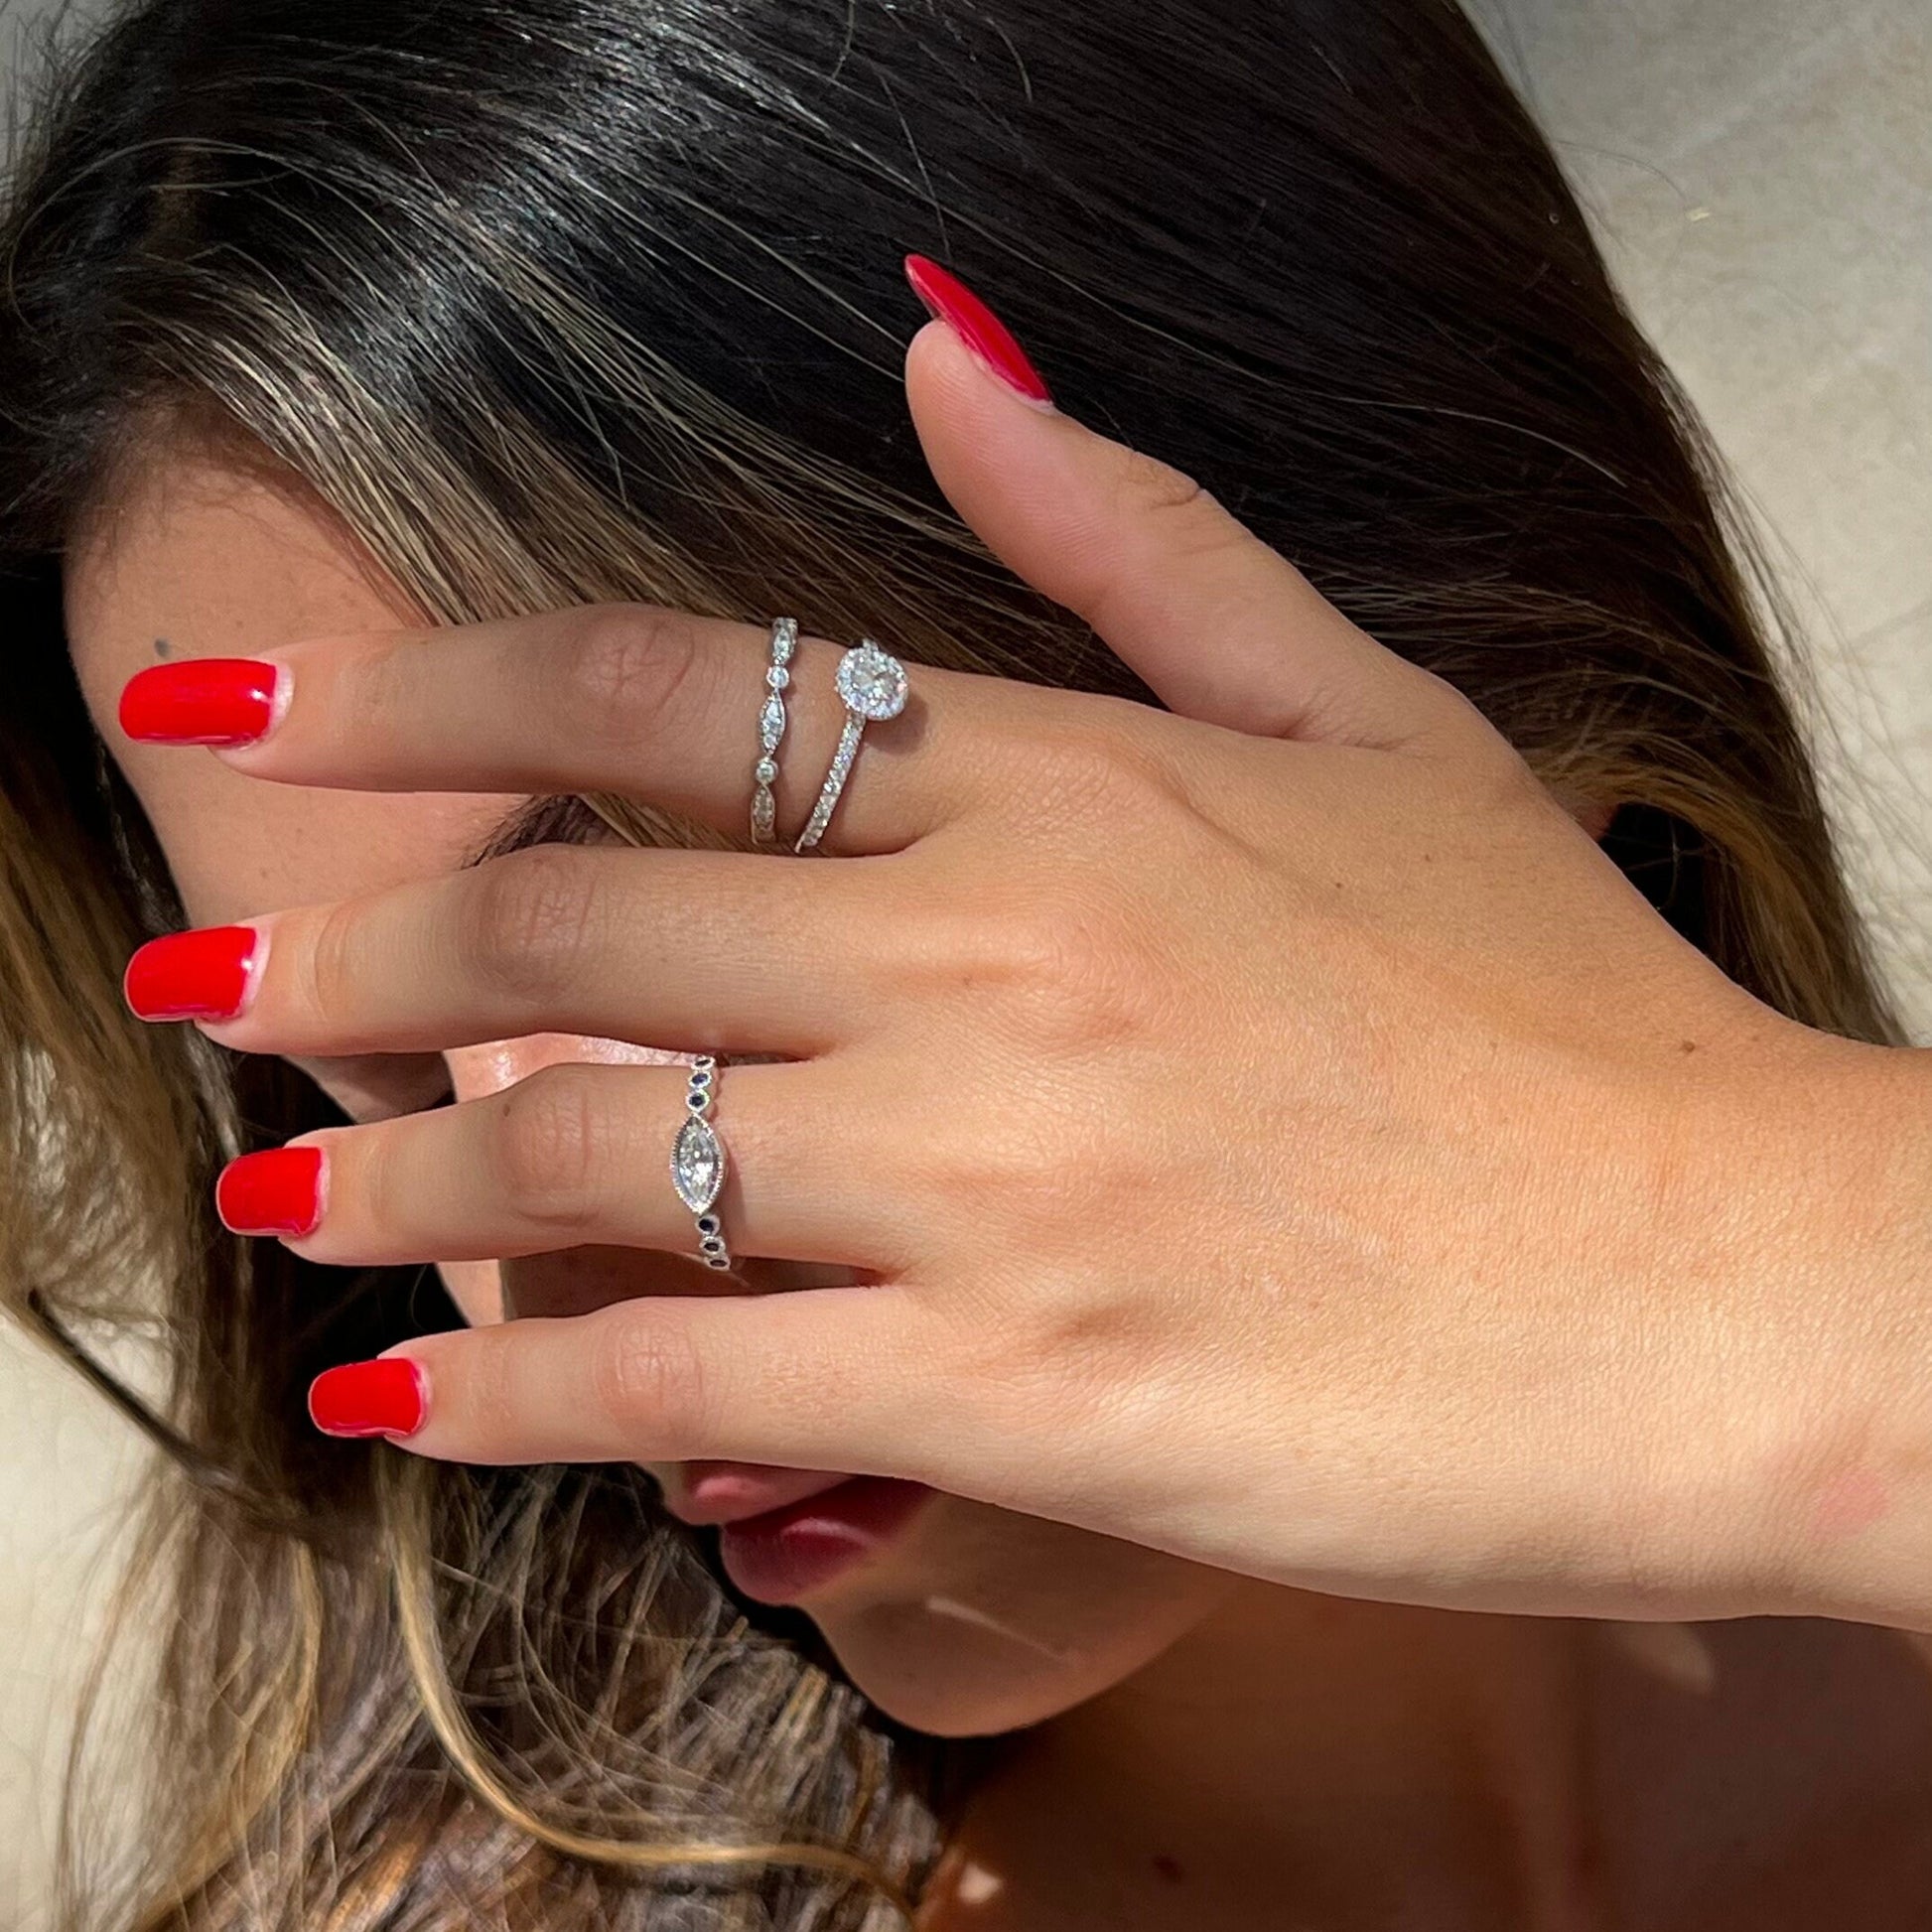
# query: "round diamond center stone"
{"type": "Point", "coordinates": [871, 683]}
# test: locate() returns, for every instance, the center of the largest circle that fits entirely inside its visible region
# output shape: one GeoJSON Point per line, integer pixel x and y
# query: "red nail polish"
{"type": "Point", "coordinates": [201, 701]}
{"type": "Point", "coordinates": [386, 1397]}
{"type": "Point", "coordinates": [198, 975]}
{"type": "Point", "coordinates": [977, 325]}
{"type": "Point", "coordinates": [275, 1191]}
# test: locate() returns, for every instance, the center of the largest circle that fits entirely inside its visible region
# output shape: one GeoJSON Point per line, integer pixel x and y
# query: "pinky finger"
{"type": "Point", "coordinates": [833, 1378]}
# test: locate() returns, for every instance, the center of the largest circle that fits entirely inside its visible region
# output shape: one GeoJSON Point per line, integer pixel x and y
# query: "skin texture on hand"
{"type": "Point", "coordinates": [1833, 1246]}
{"type": "Point", "coordinates": [1289, 1145]}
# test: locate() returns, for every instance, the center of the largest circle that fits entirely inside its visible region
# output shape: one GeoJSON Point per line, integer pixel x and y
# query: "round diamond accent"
{"type": "Point", "coordinates": [765, 771]}
{"type": "Point", "coordinates": [871, 681]}
{"type": "Point", "coordinates": [778, 677]}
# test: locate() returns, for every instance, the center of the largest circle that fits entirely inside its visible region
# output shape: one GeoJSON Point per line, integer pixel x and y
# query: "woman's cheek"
{"type": "Point", "coordinates": [477, 1288]}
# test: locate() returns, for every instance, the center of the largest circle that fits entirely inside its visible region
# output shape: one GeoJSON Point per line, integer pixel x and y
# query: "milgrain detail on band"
{"type": "Point", "coordinates": [771, 727]}
{"type": "Point", "coordinates": [698, 1162]}
{"type": "Point", "coordinates": [872, 686]}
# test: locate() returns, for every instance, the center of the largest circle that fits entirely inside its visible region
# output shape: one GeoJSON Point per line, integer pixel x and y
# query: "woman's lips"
{"type": "Point", "coordinates": [725, 1492]}
{"type": "Point", "coordinates": [784, 1555]}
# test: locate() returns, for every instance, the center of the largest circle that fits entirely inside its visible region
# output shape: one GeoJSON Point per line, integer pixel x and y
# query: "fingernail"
{"type": "Point", "coordinates": [386, 1397]}
{"type": "Point", "coordinates": [275, 1191]}
{"type": "Point", "coordinates": [198, 975]}
{"type": "Point", "coordinates": [954, 304]}
{"type": "Point", "coordinates": [204, 701]}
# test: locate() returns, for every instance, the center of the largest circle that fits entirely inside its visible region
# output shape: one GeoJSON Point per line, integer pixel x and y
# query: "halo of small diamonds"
{"type": "Point", "coordinates": [872, 685]}
{"type": "Point", "coordinates": [871, 681]}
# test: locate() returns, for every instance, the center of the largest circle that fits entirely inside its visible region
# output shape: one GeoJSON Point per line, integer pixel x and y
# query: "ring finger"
{"type": "Point", "coordinates": [578, 1154]}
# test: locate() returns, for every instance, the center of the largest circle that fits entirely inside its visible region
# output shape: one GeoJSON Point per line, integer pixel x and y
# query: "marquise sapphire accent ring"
{"type": "Point", "coordinates": [698, 1162]}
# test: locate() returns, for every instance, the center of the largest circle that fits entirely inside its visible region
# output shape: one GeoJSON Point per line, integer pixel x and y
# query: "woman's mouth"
{"type": "Point", "coordinates": [779, 1555]}
{"type": "Point", "coordinates": [725, 1492]}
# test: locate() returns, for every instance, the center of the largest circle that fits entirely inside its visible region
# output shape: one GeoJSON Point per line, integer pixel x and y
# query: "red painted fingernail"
{"type": "Point", "coordinates": [386, 1397]}
{"type": "Point", "coordinates": [954, 304]}
{"type": "Point", "coordinates": [198, 975]}
{"type": "Point", "coordinates": [275, 1191]}
{"type": "Point", "coordinates": [202, 701]}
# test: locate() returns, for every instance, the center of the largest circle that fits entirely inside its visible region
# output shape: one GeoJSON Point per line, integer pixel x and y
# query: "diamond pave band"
{"type": "Point", "coordinates": [872, 686]}
{"type": "Point", "coordinates": [698, 1162]}
{"type": "Point", "coordinates": [771, 727]}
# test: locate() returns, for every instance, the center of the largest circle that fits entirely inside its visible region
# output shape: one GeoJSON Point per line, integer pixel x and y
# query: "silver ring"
{"type": "Point", "coordinates": [771, 727]}
{"type": "Point", "coordinates": [872, 686]}
{"type": "Point", "coordinates": [698, 1162]}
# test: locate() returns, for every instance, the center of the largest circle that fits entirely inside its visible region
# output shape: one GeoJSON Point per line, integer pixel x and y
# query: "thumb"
{"type": "Point", "coordinates": [1219, 627]}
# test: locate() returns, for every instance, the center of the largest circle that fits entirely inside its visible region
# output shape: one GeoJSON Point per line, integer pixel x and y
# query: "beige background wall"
{"type": "Point", "coordinates": [1762, 173]}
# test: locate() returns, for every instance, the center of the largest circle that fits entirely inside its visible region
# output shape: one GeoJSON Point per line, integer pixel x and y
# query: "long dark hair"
{"type": "Point", "coordinates": [554, 300]}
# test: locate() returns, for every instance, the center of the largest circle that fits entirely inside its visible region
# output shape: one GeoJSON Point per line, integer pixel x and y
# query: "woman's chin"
{"type": "Point", "coordinates": [930, 1666]}
{"type": "Point", "coordinates": [981, 1620]}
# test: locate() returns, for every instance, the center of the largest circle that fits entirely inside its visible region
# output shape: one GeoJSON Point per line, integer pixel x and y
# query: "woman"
{"type": "Point", "coordinates": [483, 317]}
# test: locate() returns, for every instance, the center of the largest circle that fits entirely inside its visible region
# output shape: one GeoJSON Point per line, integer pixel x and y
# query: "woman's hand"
{"type": "Point", "coordinates": [1275, 1134]}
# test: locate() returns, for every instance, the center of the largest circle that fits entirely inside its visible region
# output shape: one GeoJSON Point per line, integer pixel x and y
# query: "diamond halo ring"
{"type": "Point", "coordinates": [872, 686]}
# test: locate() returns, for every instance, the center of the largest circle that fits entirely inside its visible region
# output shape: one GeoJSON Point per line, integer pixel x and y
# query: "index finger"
{"type": "Point", "coordinates": [626, 698]}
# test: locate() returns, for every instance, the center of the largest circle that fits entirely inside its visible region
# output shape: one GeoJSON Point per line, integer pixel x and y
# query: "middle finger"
{"type": "Point", "coordinates": [706, 951]}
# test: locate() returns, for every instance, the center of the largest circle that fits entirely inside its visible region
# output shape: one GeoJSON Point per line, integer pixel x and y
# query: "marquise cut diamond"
{"type": "Point", "coordinates": [696, 1164]}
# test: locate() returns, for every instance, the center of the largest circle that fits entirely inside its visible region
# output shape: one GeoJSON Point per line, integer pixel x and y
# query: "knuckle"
{"type": "Point", "coordinates": [1172, 514]}
{"type": "Point", "coordinates": [1077, 975]}
{"type": "Point", "coordinates": [1071, 1358]}
{"type": "Point", "coordinates": [648, 1382]}
{"type": "Point", "coordinates": [551, 1145]}
{"type": "Point", "coordinates": [323, 988]}
{"type": "Point", "coordinates": [625, 672]}
{"type": "Point", "coordinates": [1010, 1177]}
{"type": "Point", "coordinates": [1146, 485]}
{"type": "Point", "coordinates": [1113, 774]}
{"type": "Point", "coordinates": [1463, 732]}
{"type": "Point", "coordinates": [1175, 514]}
{"type": "Point", "coordinates": [1483, 774]}
{"type": "Point", "coordinates": [528, 919]}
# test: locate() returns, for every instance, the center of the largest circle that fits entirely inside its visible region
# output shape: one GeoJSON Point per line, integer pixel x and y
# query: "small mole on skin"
{"type": "Point", "coordinates": [161, 647]}
{"type": "Point", "coordinates": [1167, 1868]}
{"type": "Point", "coordinates": [1686, 1046]}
